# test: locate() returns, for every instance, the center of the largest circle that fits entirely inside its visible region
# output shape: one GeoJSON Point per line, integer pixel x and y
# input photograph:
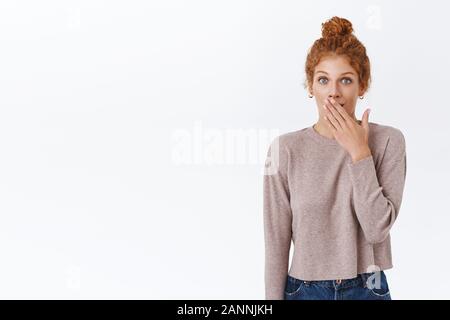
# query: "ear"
{"type": "Point", "coordinates": [308, 87]}
{"type": "Point", "coordinates": [362, 91]}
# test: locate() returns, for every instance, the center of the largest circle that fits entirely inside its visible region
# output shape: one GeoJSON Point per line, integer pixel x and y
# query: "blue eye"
{"type": "Point", "coordinates": [324, 78]}
{"type": "Point", "coordinates": [350, 80]}
{"type": "Point", "coordinates": [321, 79]}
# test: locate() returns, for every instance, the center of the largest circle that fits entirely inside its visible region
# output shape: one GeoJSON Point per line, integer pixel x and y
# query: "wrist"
{"type": "Point", "coordinates": [361, 154]}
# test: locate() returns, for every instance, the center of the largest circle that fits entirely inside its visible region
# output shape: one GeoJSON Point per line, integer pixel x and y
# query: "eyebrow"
{"type": "Point", "coordinates": [341, 73]}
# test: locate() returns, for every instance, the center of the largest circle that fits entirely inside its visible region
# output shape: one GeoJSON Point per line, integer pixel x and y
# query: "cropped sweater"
{"type": "Point", "coordinates": [338, 214]}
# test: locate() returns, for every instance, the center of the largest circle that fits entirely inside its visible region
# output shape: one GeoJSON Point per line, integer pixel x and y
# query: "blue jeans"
{"type": "Point", "coordinates": [366, 286]}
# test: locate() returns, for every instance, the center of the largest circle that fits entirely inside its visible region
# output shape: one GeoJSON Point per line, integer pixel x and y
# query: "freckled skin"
{"type": "Point", "coordinates": [336, 88]}
{"type": "Point", "coordinates": [342, 87]}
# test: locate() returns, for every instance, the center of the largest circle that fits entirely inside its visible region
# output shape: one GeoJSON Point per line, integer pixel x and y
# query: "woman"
{"type": "Point", "coordinates": [334, 188]}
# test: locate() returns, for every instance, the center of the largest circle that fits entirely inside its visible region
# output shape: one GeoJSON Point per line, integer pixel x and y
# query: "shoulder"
{"type": "Point", "coordinates": [387, 141]}
{"type": "Point", "coordinates": [386, 135]}
{"type": "Point", "coordinates": [281, 150]}
{"type": "Point", "coordinates": [289, 139]}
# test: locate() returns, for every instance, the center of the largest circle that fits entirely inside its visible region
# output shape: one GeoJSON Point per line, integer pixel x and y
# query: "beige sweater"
{"type": "Point", "coordinates": [337, 213]}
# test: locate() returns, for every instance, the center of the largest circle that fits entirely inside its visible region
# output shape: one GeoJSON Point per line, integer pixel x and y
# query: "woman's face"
{"type": "Point", "coordinates": [335, 77]}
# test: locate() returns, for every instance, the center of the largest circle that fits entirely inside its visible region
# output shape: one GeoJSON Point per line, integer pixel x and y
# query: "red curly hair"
{"type": "Point", "coordinates": [338, 40]}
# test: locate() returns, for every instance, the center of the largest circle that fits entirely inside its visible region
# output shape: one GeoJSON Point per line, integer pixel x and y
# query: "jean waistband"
{"type": "Point", "coordinates": [342, 283]}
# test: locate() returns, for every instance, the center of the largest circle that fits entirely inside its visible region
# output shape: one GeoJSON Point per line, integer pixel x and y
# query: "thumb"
{"type": "Point", "coordinates": [365, 120]}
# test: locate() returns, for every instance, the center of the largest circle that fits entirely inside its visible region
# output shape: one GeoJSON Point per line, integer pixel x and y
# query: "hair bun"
{"type": "Point", "coordinates": [336, 27]}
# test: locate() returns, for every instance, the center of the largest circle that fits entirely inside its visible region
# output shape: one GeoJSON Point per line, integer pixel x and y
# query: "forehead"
{"type": "Point", "coordinates": [334, 66]}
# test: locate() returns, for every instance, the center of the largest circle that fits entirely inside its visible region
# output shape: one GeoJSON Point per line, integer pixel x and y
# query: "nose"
{"type": "Point", "coordinates": [334, 96]}
{"type": "Point", "coordinates": [334, 92]}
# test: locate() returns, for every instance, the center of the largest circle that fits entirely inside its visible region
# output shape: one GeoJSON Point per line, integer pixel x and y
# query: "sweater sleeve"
{"type": "Point", "coordinates": [377, 195]}
{"type": "Point", "coordinates": [277, 221]}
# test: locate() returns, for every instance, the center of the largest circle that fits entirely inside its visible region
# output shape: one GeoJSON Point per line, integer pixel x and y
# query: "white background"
{"type": "Point", "coordinates": [95, 95]}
